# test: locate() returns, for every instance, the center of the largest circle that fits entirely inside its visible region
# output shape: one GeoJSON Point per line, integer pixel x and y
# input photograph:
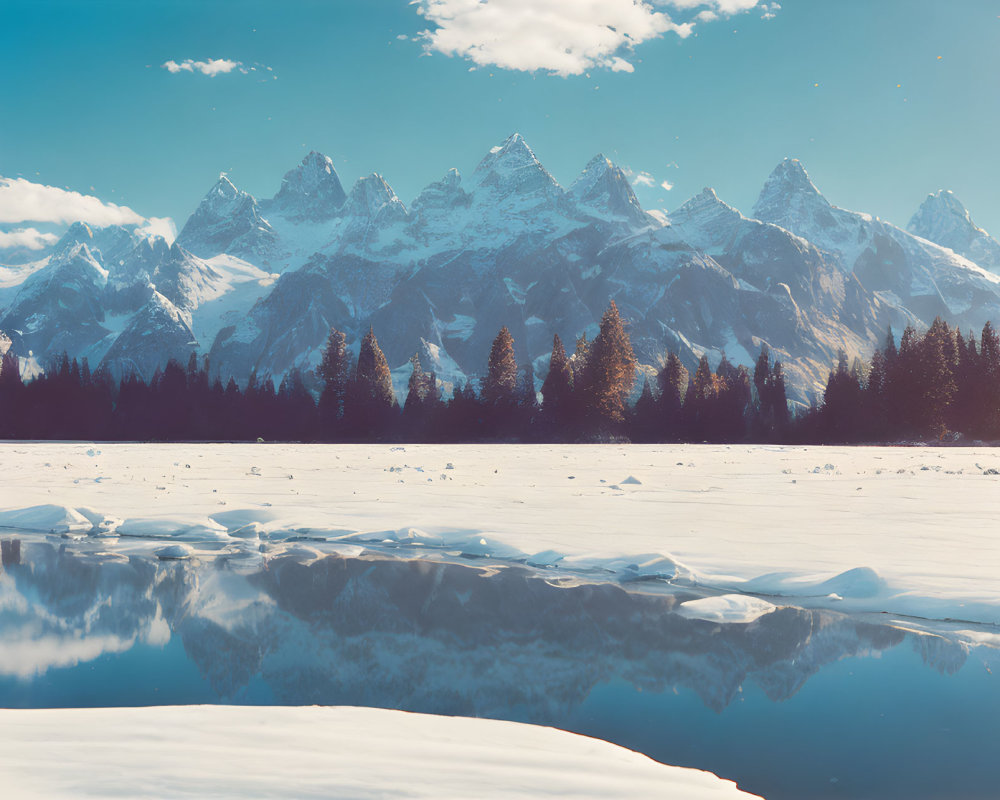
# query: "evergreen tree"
{"type": "Point", "coordinates": [762, 375]}
{"type": "Point", "coordinates": [372, 375]}
{"type": "Point", "coordinates": [779, 397]}
{"type": "Point", "coordinates": [334, 371]}
{"type": "Point", "coordinates": [966, 401]}
{"type": "Point", "coordinates": [296, 409]}
{"type": "Point", "coordinates": [936, 378]}
{"type": "Point", "coordinates": [672, 382]}
{"type": "Point", "coordinates": [698, 402]}
{"type": "Point", "coordinates": [610, 371]}
{"type": "Point", "coordinates": [842, 403]}
{"type": "Point", "coordinates": [501, 373]}
{"type": "Point", "coordinates": [903, 389]}
{"type": "Point", "coordinates": [417, 388]}
{"type": "Point", "coordinates": [370, 399]}
{"type": "Point", "coordinates": [733, 403]}
{"type": "Point", "coordinates": [989, 382]}
{"type": "Point", "coordinates": [558, 387]}
{"type": "Point", "coordinates": [578, 363]}
{"type": "Point", "coordinates": [12, 398]}
{"type": "Point", "coordinates": [644, 420]}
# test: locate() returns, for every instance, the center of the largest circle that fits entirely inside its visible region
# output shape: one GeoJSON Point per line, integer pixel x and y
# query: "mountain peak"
{"type": "Point", "coordinates": [943, 219]}
{"type": "Point", "coordinates": [596, 169]}
{"type": "Point", "coordinates": [370, 197]}
{"type": "Point", "coordinates": [511, 167]}
{"type": "Point", "coordinates": [442, 194]}
{"type": "Point", "coordinates": [787, 191]}
{"type": "Point", "coordinates": [706, 222]}
{"type": "Point", "coordinates": [227, 220]}
{"type": "Point", "coordinates": [312, 190]}
{"type": "Point", "coordinates": [223, 188]}
{"type": "Point", "coordinates": [605, 187]}
{"type": "Point", "coordinates": [940, 204]}
{"type": "Point", "coordinates": [707, 199]}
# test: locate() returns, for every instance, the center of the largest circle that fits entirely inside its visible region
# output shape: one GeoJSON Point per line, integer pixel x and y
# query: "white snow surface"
{"type": "Point", "coordinates": [901, 530]}
{"type": "Point", "coordinates": [342, 752]}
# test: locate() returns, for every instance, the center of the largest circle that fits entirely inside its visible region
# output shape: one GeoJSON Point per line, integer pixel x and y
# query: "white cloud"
{"type": "Point", "coordinates": [726, 8]}
{"type": "Point", "coordinates": [211, 67]}
{"type": "Point", "coordinates": [769, 10]}
{"type": "Point", "coordinates": [643, 179]}
{"type": "Point", "coordinates": [562, 37]}
{"type": "Point", "coordinates": [27, 238]}
{"type": "Point", "coordinates": [159, 226]}
{"type": "Point", "coordinates": [22, 201]}
{"type": "Point", "coordinates": [666, 185]}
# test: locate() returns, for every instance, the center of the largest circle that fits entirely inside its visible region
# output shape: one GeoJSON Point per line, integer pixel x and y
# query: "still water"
{"type": "Point", "coordinates": [797, 704]}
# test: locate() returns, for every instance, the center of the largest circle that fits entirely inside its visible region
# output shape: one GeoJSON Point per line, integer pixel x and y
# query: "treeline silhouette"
{"type": "Point", "coordinates": [931, 386]}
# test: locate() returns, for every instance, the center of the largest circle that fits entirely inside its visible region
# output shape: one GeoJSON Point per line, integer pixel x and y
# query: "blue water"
{"type": "Point", "coordinates": [862, 727]}
{"type": "Point", "coordinates": [799, 704]}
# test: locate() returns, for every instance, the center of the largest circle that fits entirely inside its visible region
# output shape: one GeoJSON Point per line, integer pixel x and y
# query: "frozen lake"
{"type": "Point", "coordinates": [813, 622]}
{"type": "Point", "coordinates": [915, 529]}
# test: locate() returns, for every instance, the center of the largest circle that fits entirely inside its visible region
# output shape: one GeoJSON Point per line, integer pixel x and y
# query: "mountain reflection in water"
{"type": "Point", "coordinates": [79, 626]}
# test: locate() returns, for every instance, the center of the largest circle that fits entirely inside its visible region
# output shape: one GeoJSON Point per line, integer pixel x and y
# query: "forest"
{"type": "Point", "coordinates": [939, 386]}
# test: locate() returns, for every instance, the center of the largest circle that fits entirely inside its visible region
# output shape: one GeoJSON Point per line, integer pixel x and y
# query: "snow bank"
{"type": "Point", "coordinates": [254, 752]}
{"type": "Point", "coordinates": [904, 530]}
{"type": "Point", "coordinates": [45, 519]}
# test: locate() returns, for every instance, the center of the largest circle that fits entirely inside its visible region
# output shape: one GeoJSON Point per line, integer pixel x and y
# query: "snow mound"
{"type": "Point", "coordinates": [857, 583]}
{"type": "Point", "coordinates": [45, 519]}
{"type": "Point", "coordinates": [347, 753]}
{"type": "Point", "coordinates": [174, 527]}
{"type": "Point", "coordinates": [727, 608]}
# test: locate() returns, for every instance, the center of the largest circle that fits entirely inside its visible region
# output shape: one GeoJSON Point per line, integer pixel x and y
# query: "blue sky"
{"type": "Point", "coordinates": [884, 101]}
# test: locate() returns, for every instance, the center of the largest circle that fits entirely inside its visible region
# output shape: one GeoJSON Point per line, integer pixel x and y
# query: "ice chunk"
{"type": "Point", "coordinates": [101, 524]}
{"type": "Point", "coordinates": [174, 552]}
{"type": "Point", "coordinates": [727, 608]}
{"type": "Point", "coordinates": [45, 519]}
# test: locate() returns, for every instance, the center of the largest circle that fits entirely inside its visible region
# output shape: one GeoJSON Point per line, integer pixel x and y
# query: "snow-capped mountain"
{"type": "Point", "coordinates": [256, 284]}
{"type": "Point", "coordinates": [905, 270]}
{"type": "Point", "coordinates": [228, 220]}
{"type": "Point", "coordinates": [943, 219]}
{"type": "Point", "coordinates": [310, 191]}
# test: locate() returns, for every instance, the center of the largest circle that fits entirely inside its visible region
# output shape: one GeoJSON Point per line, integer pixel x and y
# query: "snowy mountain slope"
{"type": "Point", "coordinates": [943, 219]}
{"type": "Point", "coordinates": [287, 328]}
{"type": "Point", "coordinates": [155, 333]}
{"type": "Point", "coordinates": [909, 272]}
{"type": "Point", "coordinates": [228, 220]}
{"type": "Point", "coordinates": [59, 307]}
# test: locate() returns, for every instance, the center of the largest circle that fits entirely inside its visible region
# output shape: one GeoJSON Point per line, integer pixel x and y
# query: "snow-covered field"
{"type": "Point", "coordinates": [906, 530]}
{"type": "Point", "coordinates": [345, 753]}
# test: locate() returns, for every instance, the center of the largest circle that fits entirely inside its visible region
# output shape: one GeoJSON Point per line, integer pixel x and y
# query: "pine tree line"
{"type": "Point", "coordinates": [940, 383]}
